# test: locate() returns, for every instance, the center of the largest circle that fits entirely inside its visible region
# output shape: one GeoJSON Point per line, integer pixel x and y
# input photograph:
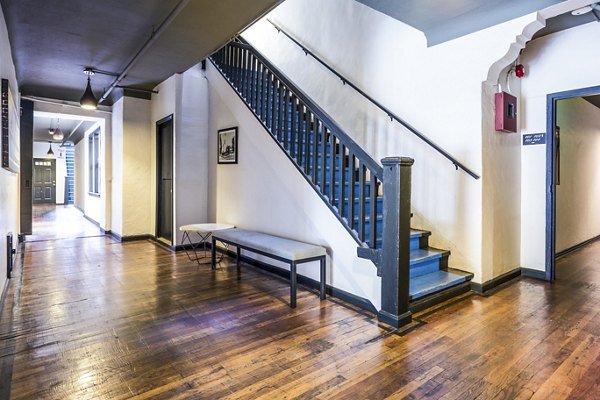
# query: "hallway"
{"type": "Point", "coordinates": [52, 222]}
{"type": "Point", "coordinates": [98, 319]}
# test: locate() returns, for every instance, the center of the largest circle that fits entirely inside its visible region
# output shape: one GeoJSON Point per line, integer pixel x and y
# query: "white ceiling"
{"type": "Point", "coordinates": [41, 124]}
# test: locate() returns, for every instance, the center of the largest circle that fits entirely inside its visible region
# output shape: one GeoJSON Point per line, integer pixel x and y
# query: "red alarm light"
{"type": "Point", "coordinates": [519, 70]}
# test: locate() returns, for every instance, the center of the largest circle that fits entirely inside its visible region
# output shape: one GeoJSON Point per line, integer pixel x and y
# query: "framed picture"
{"type": "Point", "coordinates": [227, 146]}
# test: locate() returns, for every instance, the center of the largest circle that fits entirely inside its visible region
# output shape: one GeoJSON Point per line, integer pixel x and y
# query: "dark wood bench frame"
{"type": "Point", "coordinates": [292, 263]}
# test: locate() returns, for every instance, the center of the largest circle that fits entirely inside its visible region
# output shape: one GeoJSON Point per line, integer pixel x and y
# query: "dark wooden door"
{"type": "Point", "coordinates": [164, 153]}
{"type": "Point", "coordinates": [44, 181]}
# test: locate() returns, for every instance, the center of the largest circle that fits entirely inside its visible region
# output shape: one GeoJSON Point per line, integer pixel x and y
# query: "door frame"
{"type": "Point", "coordinates": [53, 165]}
{"type": "Point", "coordinates": [551, 103]}
{"type": "Point", "coordinates": [168, 118]}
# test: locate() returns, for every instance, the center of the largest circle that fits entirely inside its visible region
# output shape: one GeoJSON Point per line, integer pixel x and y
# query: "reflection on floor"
{"type": "Point", "coordinates": [60, 222]}
{"type": "Point", "coordinates": [97, 319]}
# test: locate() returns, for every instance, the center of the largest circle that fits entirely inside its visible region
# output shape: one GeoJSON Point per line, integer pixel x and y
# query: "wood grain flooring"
{"type": "Point", "coordinates": [95, 319]}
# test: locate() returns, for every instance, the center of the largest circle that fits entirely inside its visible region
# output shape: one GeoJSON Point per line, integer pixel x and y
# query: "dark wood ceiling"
{"type": "Point", "coordinates": [52, 41]}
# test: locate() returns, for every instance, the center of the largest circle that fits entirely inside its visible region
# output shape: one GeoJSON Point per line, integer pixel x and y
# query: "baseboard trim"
{"type": "Point", "coordinates": [533, 273]}
{"type": "Point", "coordinates": [348, 297]}
{"type": "Point", "coordinates": [395, 320]}
{"type": "Point", "coordinates": [129, 238]}
{"type": "Point", "coordinates": [93, 221]}
{"type": "Point", "coordinates": [495, 282]}
{"type": "Point", "coordinates": [571, 249]}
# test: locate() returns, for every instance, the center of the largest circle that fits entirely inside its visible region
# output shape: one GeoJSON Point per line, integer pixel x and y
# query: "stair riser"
{"type": "Point", "coordinates": [427, 266]}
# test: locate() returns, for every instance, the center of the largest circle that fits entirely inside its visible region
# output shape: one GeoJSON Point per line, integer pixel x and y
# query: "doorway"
{"type": "Point", "coordinates": [164, 180]}
{"type": "Point", "coordinates": [555, 174]}
{"type": "Point", "coordinates": [44, 181]}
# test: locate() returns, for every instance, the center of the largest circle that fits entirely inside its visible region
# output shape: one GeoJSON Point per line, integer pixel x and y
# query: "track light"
{"type": "Point", "coordinates": [88, 100]}
{"type": "Point", "coordinates": [50, 152]}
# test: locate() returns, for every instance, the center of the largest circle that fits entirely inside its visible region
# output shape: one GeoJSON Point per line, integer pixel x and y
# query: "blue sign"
{"type": "Point", "coordinates": [534, 138]}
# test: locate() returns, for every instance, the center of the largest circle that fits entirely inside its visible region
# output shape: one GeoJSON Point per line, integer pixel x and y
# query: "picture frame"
{"type": "Point", "coordinates": [227, 146]}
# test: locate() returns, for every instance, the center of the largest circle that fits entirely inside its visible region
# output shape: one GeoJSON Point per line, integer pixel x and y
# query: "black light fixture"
{"type": "Point", "coordinates": [50, 151]}
{"type": "Point", "coordinates": [88, 100]}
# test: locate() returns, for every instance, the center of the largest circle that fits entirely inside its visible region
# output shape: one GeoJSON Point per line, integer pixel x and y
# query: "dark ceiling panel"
{"type": "Point", "coordinates": [595, 100]}
{"type": "Point", "coordinates": [446, 20]}
{"type": "Point", "coordinates": [52, 41]}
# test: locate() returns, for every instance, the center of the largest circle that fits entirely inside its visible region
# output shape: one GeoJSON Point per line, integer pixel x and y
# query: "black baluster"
{"type": "Point", "coordinates": [325, 136]}
{"type": "Point", "coordinates": [294, 130]}
{"type": "Point", "coordinates": [315, 152]}
{"type": "Point", "coordinates": [373, 217]}
{"type": "Point", "coordinates": [351, 169]}
{"type": "Point", "coordinates": [342, 180]}
{"type": "Point", "coordinates": [361, 201]}
{"type": "Point", "coordinates": [332, 161]}
{"type": "Point", "coordinates": [301, 125]}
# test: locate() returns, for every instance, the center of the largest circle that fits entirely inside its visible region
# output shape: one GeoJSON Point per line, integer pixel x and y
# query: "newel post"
{"type": "Point", "coordinates": [396, 241]}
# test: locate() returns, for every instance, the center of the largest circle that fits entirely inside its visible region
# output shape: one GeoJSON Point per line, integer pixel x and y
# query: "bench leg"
{"type": "Point", "coordinates": [238, 255]}
{"type": "Point", "coordinates": [293, 284]}
{"type": "Point", "coordinates": [323, 272]}
{"type": "Point", "coordinates": [213, 253]}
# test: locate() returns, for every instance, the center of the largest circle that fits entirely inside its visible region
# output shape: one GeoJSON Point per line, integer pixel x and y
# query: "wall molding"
{"type": "Point", "coordinates": [495, 282]}
{"type": "Point", "coordinates": [578, 246]}
{"type": "Point", "coordinates": [533, 273]}
{"type": "Point", "coordinates": [129, 238]}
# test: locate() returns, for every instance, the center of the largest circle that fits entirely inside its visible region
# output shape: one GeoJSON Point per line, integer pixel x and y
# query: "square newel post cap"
{"type": "Point", "coordinates": [402, 161]}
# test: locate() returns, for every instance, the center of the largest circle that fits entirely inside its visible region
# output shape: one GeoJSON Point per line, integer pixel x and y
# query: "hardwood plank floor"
{"type": "Point", "coordinates": [95, 319]}
{"type": "Point", "coordinates": [51, 222]}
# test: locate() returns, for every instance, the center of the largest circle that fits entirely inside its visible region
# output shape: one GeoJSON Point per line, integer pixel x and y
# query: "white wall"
{"type": "Point", "coordinates": [265, 192]}
{"type": "Point", "coordinates": [191, 151]}
{"type": "Point", "coordinates": [578, 195]}
{"type": "Point", "coordinates": [437, 89]}
{"type": "Point", "coordinates": [80, 168]}
{"type": "Point", "coordinates": [40, 150]}
{"type": "Point", "coordinates": [185, 97]}
{"type": "Point", "coordinates": [131, 155]}
{"type": "Point", "coordinates": [163, 104]}
{"type": "Point", "coordinates": [9, 182]}
{"type": "Point", "coordinates": [94, 204]}
{"type": "Point", "coordinates": [558, 62]}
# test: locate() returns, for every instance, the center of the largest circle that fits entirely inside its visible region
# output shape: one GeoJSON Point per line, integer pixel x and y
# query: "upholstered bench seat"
{"type": "Point", "coordinates": [291, 251]}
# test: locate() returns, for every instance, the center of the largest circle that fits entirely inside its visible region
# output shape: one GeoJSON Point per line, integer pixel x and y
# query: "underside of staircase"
{"type": "Point", "coordinates": [335, 166]}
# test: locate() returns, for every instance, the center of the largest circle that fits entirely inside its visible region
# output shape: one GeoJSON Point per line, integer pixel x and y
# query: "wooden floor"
{"type": "Point", "coordinates": [52, 222]}
{"type": "Point", "coordinates": [95, 319]}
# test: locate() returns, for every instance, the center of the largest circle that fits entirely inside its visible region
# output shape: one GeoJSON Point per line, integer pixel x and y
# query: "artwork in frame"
{"type": "Point", "coordinates": [227, 143]}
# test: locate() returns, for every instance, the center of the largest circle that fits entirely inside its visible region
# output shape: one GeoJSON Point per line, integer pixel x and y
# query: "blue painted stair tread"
{"type": "Point", "coordinates": [435, 282]}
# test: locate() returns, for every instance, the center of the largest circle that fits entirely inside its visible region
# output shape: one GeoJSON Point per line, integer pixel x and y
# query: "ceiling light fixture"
{"type": "Point", "coordinates": [50, 152]}
{"type": "Point", "coordinates": [58, 134]}
{"type": "Point", "coordinates": [88, 100]}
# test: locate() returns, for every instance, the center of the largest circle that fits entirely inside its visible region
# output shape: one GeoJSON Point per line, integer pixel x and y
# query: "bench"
{"type": "Point", "coordinates": [278, 248]}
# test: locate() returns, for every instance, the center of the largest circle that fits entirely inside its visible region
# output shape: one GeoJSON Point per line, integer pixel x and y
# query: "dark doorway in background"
{"type": "Point", "coordinates": [164, 176]}
{"type": "Point", "coordinates": [44, 181]}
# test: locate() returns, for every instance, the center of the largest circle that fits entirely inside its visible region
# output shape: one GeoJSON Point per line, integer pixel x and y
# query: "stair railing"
{"type": "Point", "coordinates": [350, 181]}
{"type": "Point", "coordinates": [457, 164]}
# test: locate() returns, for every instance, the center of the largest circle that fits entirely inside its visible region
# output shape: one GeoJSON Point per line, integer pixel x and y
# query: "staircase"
{"type": "Point", "coordinates": [348, 180]}
{"type": "Point", "coordinates": [70, 160]}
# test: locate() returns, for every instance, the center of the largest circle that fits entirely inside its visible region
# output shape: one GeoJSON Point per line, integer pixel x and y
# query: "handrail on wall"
{"type": "Point", "coordinates": [392, 115]}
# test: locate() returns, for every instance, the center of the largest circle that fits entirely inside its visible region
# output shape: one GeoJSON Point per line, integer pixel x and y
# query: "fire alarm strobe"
{"type": "Point", "coordinates": [506, 112]}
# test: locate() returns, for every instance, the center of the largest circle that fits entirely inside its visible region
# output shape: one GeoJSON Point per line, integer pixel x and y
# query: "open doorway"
{"type": "Point", "coordinates": [573, 174]}
{"type": "Point", "coordinates": [164, 183]}
{"type": "Point", "coordinates": [59, 173]}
